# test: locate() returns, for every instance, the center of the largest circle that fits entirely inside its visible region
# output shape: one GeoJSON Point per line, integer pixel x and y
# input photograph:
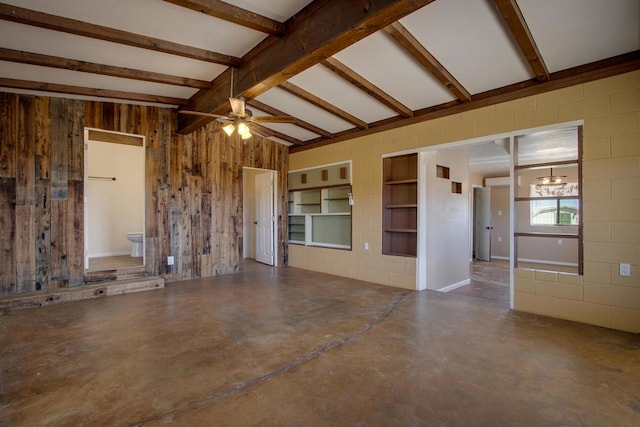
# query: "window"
{"type": "Point", "coordinates": [554, 212]}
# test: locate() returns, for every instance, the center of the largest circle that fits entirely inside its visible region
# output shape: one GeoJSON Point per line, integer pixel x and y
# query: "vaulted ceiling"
{"type": "Point", "coordinates": [341, 69]}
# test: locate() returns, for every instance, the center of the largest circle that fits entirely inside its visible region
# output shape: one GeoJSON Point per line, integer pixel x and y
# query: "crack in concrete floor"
{"type": "Point", "coordinates": [319, 351]}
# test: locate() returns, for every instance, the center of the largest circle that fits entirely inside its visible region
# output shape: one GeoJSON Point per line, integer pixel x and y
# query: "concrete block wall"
{"type": "Point", "coordinates": [610, 109]}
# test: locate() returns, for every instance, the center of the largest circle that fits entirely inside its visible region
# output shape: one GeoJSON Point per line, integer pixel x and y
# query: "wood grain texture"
{"type": "Point", "coordinates": [193, 194]}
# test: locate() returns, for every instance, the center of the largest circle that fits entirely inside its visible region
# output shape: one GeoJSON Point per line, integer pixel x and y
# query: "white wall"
{"type": "Point", "coordinates": [115, 207]}
{"type": "Point", "coordinates": [448, 229]}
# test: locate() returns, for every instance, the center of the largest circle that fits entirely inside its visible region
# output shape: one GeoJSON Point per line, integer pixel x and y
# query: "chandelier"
{"type": "Point", "coordinates": [551, 179]}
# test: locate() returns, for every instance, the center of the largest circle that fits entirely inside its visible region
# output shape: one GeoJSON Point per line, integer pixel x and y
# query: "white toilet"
{"type": "Point", "coordinates": [136, 243]}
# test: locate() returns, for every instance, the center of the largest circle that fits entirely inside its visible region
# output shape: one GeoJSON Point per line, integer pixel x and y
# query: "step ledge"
{"type": "Point", "coordinates": [79, 293]}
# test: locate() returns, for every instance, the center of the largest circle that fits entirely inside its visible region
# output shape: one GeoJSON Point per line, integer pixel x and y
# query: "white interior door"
{"type": "Point", "coordinates": [482, 203]}
{"type": "Point", "coordinates": [264, 218]}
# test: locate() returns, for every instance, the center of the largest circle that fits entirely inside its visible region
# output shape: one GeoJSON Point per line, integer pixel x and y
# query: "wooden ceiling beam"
{"type": "Point", "coordinates": [80, 28]}
{"type": "Point", "coordinates": [512, 15]}
{"type": "Point", "coordinates": [366, 86]}
{"type": "Point", "coordinates": [298, 122]}
{"type": "Point", "coordinates": [331, 27]}
{"type": "Point", "coordinates": [410, 44]}
{"type": "Point", "coordinates": [231, 13]}
{"type": "Point", "coordinates": [85, 91]}
{"type": "Point", "coordinates": [90, 67]}
{"type": "Point", "coordinates": [578, 75]}
{"type": "Point", "coordinates": [321, 103]}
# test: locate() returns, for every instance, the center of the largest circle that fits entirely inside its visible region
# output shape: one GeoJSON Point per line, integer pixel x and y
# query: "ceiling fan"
{"type": "Point", "coordinates": [241, 118]}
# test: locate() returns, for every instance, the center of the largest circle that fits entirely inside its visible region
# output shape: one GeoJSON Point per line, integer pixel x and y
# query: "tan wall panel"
{"type": "Point", "coordinates": [611, 114]}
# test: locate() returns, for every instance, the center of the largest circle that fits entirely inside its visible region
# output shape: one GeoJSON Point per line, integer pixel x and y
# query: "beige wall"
{"type": "Point", "coordinates": [500, 214]}
{"type": "Point", "coordinates": [610, 109]}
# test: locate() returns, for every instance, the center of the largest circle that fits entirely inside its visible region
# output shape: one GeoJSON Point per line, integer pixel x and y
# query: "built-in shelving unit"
{"type": "Point", "coordinates": [400, 205]}
{"type": "Point", "coordinates": [523, 201]}
{"type": "Point", "coordinates": [320, 207]}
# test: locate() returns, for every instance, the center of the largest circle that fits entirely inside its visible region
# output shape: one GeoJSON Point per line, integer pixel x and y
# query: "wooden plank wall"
{"type": "Point", "coordinates": [193, 191]}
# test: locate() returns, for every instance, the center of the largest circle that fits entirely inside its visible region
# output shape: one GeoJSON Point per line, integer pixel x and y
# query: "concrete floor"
{"type": "Point", "coordinates": [286, 347]}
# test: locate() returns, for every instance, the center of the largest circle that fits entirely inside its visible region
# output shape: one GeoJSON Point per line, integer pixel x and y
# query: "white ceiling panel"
{"type": "Point", "coordinates": [278, 10]}
{"type": "Point", "coordinates": [48, 42]}
{"type": "Point", "coordinates": [292, 130]}
{"type": "Point", "coordinates": [326, 85]}
{"type": "Point", "coordinates": [12, 70]}
{"type": "Point", "coordinates": [489, 158]}
{"type": "Point", "coordinates": [378, 59]}
{"type": "Point", "coordinates": [575, 32]}
{"type": "Point", "coordinates": [294, 106]}
{"type": "Point", "coordinates": [81, 97]}
{"type": "Point", "coordinates": [157, 19]}
{"type": "Point", "coordinates": [471, 41]}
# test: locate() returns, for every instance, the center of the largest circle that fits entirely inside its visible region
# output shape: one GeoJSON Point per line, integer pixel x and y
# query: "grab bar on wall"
{"type": "Point", "coordinates": [103, 178]}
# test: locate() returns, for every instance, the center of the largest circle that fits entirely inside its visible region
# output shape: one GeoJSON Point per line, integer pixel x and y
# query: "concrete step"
{"type": "Point", "coordinates": [77, 293]}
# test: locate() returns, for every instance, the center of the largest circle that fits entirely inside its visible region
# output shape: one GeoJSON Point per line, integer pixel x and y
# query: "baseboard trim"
{"type": "Point", "coordinates": [454, 286]}
{"type": "Point", "coordinates": [505, 258]}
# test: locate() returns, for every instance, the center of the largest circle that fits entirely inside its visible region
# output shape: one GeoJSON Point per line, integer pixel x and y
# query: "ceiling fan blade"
{"type": "Point", "coordinates": [274, 119]}
{"type": "Point", "coordinates": [237, 106]}
{"type": "Point", "coordinates": [260, 133]}
{"type": "Point", "coordinates": [200, 113]}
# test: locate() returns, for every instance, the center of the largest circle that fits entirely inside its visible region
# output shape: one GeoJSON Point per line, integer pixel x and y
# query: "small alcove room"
{"type": "Point", "coordinates": [311, 212]}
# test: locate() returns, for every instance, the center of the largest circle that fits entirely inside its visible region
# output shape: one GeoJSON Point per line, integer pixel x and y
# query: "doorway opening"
{"type": "Point", "coordinates": [260, 228]}
{"type": "Point", "coordinates": [502, 177]}
{"type": "Point", "coordinates": [114, 185]}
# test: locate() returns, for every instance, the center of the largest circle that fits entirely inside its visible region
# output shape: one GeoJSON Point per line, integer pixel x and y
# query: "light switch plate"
{"type": "Point", "coordinates": [169, 260]}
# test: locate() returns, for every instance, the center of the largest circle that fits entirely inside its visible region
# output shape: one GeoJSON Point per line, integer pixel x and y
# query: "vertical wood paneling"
{"type": "Point", "coordinates": [24, 247]}
{"type": "Point", "coordinates": [75, 139]}
{"type": "Point", "coordinates": [8, 134]}
{"type": "Point", "coordinates": [60, 155]}
{"type": "Point", "coordinates": [75, 233]}
{"type": "Point", "coordinates": [7, 236]}
{"type": "Point", "coordinates": [43, 234]}
{"type": "Point", "coordinates": [42, 141]}
{"type": "Point", "coordinates": [193, 186]}
{"type": "Point", "coordinates": [59, 268]}
{"type": "Point", "coordinates": [25, 171]}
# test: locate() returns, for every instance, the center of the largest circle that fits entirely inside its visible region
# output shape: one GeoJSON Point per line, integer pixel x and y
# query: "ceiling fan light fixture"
{"type": "Point", "coordinates": [228, 129]}
{"type": "Point", "coordinates": [244, 131]}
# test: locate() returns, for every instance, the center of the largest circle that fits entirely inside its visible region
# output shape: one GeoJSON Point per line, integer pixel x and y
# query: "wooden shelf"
{"type": "Point", "coordinates": [552, 235]}
{"type": "Point", "coordinates": [400, 205]}
{"type": "Point", "coordinates": [401, 181]}
{"type": "Point", "coordinates": [546, 165]}
{"type": "Point", "coordinates": [528, 199]}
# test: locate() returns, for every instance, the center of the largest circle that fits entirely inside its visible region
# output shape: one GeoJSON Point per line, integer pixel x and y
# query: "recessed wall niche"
{"type": "Point", "coordinates": [442, 172]}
